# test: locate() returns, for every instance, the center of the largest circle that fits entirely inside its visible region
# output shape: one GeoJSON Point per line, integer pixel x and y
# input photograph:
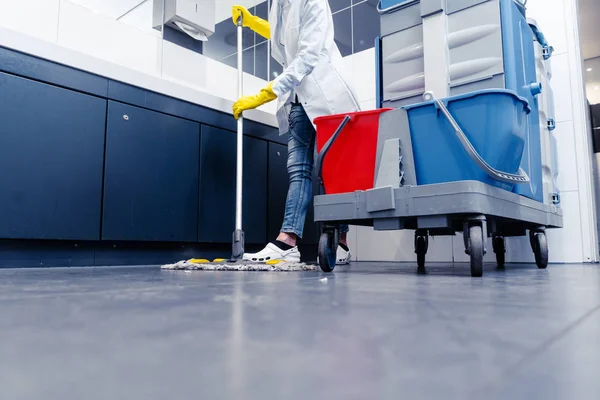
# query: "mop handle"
{"type": "Point", "coordinates": [240, 131]}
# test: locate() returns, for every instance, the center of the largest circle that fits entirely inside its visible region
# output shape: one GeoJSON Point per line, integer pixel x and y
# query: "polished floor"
{"type": "Point", "coordinates": [373, 331]}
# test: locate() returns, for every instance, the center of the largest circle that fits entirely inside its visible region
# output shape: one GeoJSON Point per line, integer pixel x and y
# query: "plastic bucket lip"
{"type": "Point", "coordinates": [474, 94]}
{"type": "Point", "coordinates": [352, 114]}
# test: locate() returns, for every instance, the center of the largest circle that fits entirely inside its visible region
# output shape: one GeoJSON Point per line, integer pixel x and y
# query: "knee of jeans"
{"type": "Point", "coordinates": [299, 171]}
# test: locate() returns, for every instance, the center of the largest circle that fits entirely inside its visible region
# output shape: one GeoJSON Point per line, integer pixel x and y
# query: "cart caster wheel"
{"type": "Point", "coordinates": [499, 245]}
{"type": "Point", "coordinates": [539, 244]}
{"type": "Point", "coordinates": [328, 245]}
{"type": "Point", "coordinates": [476, 250]}
{"type": "Point", "coordinates": [421, 247]}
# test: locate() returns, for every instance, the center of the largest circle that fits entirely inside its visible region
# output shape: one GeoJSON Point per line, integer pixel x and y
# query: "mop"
{"type": "Point", "coordinates": [236, 263]}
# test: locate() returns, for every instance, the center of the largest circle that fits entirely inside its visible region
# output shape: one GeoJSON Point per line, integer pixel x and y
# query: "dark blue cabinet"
{"type": "Point", "coordinates": [51, 155]}
{"type": "Point", "coordinates": [151, 176]}
{"type": "Point", "coordinates": [278, 185]}
{"type": "Point", "coordinates": [217, 187]}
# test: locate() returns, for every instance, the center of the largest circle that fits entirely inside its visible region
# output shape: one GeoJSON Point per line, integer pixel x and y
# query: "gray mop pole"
{"type": "Point", "coordinates": [238, 234]}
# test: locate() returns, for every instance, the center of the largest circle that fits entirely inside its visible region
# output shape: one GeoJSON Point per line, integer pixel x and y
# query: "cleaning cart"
{"type": "Point", "coordinates": [461, 141]}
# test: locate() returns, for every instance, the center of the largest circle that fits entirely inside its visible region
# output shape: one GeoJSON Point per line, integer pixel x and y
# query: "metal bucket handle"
{"type": "Point", "coordinates": [519, 178]}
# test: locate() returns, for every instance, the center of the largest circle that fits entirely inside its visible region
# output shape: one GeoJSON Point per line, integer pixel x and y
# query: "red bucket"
{"type": "Point", "coordinates": [349, 165]}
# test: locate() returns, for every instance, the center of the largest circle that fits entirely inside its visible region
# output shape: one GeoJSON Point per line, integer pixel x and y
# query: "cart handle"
{"type": "Point", "coordinates": [521, 177]}
{"type": "Point", "coordinates": [325, 149]}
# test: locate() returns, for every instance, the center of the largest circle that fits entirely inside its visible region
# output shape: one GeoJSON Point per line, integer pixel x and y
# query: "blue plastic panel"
{"type": "Point", "coordinates": [151, 176]}
{"type": "Point", "coordinates": [519, 65]}
{"type": "Point", "coordinates": [51, 156]}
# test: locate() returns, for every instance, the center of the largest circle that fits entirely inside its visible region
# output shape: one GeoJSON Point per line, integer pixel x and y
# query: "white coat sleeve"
{"type": "Point", "coordinates": [311, 39]}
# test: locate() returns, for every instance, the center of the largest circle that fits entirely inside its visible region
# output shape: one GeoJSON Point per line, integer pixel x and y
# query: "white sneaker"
{"type": "Point", "coordinates": [272, 252]}
{"type": "Point", "coordinates": [343, 257]}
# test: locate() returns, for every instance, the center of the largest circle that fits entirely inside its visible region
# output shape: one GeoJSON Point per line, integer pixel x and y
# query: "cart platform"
{"type": "Point", "coordinates": [380, 207]}
{"type": "Point", "coordinates": [474, 208]}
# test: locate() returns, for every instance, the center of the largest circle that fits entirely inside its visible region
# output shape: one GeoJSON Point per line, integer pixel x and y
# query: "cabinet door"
{"type": "Point", "coordinates": [151, 176]}
{"type": "Point", "coordinates": [278, 187]}
{"type": "Point", "coordinates": [217, 187]}
{"type": "Point", "coordinates": [51, 155]}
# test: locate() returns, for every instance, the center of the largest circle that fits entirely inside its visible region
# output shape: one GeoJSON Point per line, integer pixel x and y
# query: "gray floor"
{"type": "Point", "coordinates": [376, 331]}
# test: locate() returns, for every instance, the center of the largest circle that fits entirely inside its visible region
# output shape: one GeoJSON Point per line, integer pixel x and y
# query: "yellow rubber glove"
{"type": "Point", "coordinates": [258, 25]}
{"type": "Point", "coordinates": [250, 102]}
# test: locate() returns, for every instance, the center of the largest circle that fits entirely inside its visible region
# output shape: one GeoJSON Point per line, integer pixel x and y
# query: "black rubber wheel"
{"type": "Point", "coordinates": [540, 249]}
{"type": "Point", "coordinates": [421, 250]}
{"type": "Point", "coordinates": [476, 250]}
{"type": "Point", "coordinates": [499, 245]}
{"type": "Point", "coordinates": [328, 244]}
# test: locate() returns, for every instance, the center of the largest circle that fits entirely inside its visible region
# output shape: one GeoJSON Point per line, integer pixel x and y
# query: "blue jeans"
{"type": "Point", "coordinates": [301, 155]}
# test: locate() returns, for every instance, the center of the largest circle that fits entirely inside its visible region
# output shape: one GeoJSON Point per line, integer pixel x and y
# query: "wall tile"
{"type": "Point", "coordinates": [550, 16]}
{"type": "Point", "coordinates": [343, 31]}
{"type": "Point", "coordinates": [141, 18]}
{"type": "Point", "coordinates": [561, 85]}
{"type": "Point", "coordinates": [261, 56]}
{"type": "Point", "coordinates": [100, 36]}
{"type": "Point", "coordinates": [18, 15]}
{"type": "Point", "coordinates": [183, 65]}
{"type": "Point", "coordinates": [363, 73]}
{"type": "Point", "coordinates": [567, 167]}
{"type": "Point", "coordinates": [365, 25]}
{"type": "Point", "coordinates": [398, 246]}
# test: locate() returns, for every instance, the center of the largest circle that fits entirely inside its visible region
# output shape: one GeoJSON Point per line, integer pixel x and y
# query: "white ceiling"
{"type": "Point", "coordinates": [589, 15]}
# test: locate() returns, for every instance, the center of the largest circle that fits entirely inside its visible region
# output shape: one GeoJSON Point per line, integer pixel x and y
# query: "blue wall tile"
{"type": "Point", "coordinates": [366, 25]}
{"type": "Point", "coordinates": [337, 5]}
{"type": "Point", "coordinates": [356, 26]}
{"type": "Point", "coordinates": [182, 39]}
{"type": "Point", "coordinates": [260, 61]}
{"type": "Point", "coordinates": [343, 31]}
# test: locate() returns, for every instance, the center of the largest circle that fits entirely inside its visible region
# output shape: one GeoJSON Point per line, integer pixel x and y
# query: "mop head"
{"type": "Point", "coordinates": [225, 265]}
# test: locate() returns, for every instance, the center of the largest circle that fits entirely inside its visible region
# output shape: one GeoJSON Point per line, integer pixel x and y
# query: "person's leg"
{"type": "Point", "coordinates": [301, 148]}
{"type": "Point", "coordinates": [344, 235]}
{"type": "Point", "coordinates": [301, 144]}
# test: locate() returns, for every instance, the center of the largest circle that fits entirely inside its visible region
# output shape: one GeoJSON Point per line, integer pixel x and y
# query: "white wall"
{"type": "Point", "coordinates": [577, 242]}
{"type": "Point", "coordinates": [91, 28]}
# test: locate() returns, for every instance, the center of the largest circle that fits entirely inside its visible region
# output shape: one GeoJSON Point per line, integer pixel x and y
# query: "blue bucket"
{"type": "Point", "coordinates": [494, 121]}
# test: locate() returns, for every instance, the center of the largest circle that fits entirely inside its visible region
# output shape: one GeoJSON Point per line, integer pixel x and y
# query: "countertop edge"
{"type": "Point", "coordinates": [62, 55]}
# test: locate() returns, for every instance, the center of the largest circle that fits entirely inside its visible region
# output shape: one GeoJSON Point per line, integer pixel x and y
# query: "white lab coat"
{"type": "Point", "coordinates": [313, 66]}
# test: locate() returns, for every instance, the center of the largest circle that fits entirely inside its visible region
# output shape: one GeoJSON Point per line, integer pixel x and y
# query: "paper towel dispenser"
{"type": "Point", "coordinates": [194, 17]}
